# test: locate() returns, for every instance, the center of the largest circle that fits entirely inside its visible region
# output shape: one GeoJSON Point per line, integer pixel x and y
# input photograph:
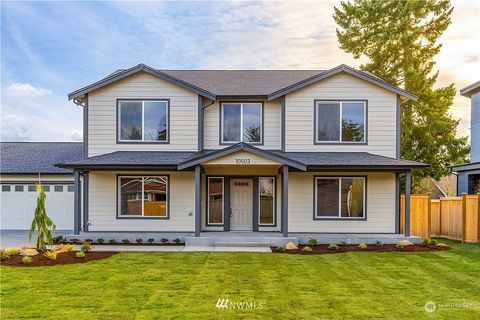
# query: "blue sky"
{"type": "Point", "coordinates": [52, 48]}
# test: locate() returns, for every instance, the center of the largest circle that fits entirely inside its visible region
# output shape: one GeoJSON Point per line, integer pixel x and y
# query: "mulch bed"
{"type": "Point", "coordinates": [323, 249]}
{"type": "Point", "coordinates": [62, 258]}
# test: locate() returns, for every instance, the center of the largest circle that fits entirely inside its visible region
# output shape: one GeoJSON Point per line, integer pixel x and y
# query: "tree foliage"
{"type": "Point", "coordinates": [42, 222]}
{"type": "Point", "coordinates": [400, 40]}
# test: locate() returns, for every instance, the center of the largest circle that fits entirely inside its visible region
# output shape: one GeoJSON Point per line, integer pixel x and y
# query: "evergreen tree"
{"type": "Point", "coordinates": [399, 38]}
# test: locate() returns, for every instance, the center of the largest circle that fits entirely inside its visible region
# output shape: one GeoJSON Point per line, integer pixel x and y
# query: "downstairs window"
{"type": "Point", "coordinates": [143, 196]}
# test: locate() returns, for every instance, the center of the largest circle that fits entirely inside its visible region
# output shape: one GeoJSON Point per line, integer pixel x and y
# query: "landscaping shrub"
{"type": "Point", "coordinates": [177, 240]}
{"type": "Point", "coordinates": [164, 240]}
{"type": "Point", "coordinates": [332, 246]}
{"type": "Point", "coordinates": [362, 246]}
{"type": "Point", "coordinates": [12, 251]}
{"type": "Point", "coordinates": [42, 222]}
{"type": "Point", "coordinates": [80, 254]}
{"type": "Point", "coordinates": [378, 243]}
{"type": "Point", "coordinates": [343, 243]}
{"type": "Point", "coordinates": [27, 260]}
{"type": "Point", "coordinates": [150, 240]}
{"type": "Point", "coordinates": [441, 244]}
{"type": "Point", "coordinates": [51, 255]}
{"type": "Point", "coordinates": [3, 255]}
{"type": "Point", "coordinates": [139, 240]}
{"type": "Point", "coordinates": [88, 240]}
{"type": "Point", "coordinates": [125, 241]}
{"type": "Point", "coordinates": [86, 247]}
{"type": "Point", "coordinates": [307, 248]}
{"type": "Point", "coordinates": [58, 239]}
{"type": "Point", "coordinates": [100, 240]}
{"type": "Point", "coordinates": [313, 242]}
{"type": "Point", "coordinates": [399, 246]}
{"type": "Point", "coordinates": [432, 242]}
{"type": "Point", "coordinates": [74, 240]}
{"type": "Point", "coordinates": [425, 242]}
{"type": "Point", "coordinates": [69, 247]}
{"type": "Point", "coordinates": [280, 248]}
{"type": "Point", "coordinates": [112, 241]}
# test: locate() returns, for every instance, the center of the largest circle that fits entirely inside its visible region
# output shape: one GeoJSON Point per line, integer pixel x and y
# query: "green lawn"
{"type": "Point", "coordinates": [188, 285]}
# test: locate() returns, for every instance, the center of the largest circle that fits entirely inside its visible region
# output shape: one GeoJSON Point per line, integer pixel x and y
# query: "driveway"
{"type": "Point", "coordinates": [19, 238]}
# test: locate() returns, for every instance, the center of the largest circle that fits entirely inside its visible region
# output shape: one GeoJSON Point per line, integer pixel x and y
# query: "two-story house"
{"type": "Point", "coordinates": [202, 152]}
{"type": "Point", "coordinates": [468, 174]}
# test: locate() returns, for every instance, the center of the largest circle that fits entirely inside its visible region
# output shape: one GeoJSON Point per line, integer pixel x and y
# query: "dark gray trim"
{"type": "Point", "coordinates": [85, 200]}
{"type": "Point", "coordinates": [242, 97]}
{"type": "Point", "coordinates": [365, 203]}
{"type": "Point", "coordinates": [283, 127]}
{"type": "Point", "coordinates": [240, 147]}
{"type": "Point", "coordinates": [399, 128]}
{"type": "Point", "coordinates": [363, 168]}
{"type": "Point", "coordinates": [226, 203]}
{"type": "Point", "coordinates": [408, 190]}
{"type": "Point", "coordinates": [349, 143]}
{"type": "Point", "coordinates": [341, 68]}
{"type": "Point", "coordinates": [140, 67]}
{"type": "Point", "coordinates": [285, 201]}
{"type": "Point", "coordinates": [85, 128]}
{"type": "Point", "coordinates": [76, 203]}
{"type": "Point", "coordinates": [200, 124]}
{"type": "Point", "coordinates": [130, 231]}
{"type": "Point", "coordinates": [207, 200]}
{"type": "Point", "coordinates": [220, 126]}
{"type": "Point", "coordinates": [256, 199]}
{"type": "Point", "coordinates": [198, 200]}
{"type": "Point", "coordinates": [118, 141]}
{"type": "Point", "coordinates": [397, 202]}
{"type": "Point", "coordinates": [275, 211]}
{"type": "Point", "coordinates": [465, 167]}
{"type": "Point", "coordinates": [471, 89]}
{"type": "Point", "coordinates": [117, 206]}
{"type": "Point", "coordinates": [33, 182]}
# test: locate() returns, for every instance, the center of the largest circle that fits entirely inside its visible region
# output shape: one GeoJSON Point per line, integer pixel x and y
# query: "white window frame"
{"type": "Point", "coordinates": [142, 216]}
{"type": "Point", "coordinates": [274, 208]}
{"type": "Point", "coordinates": [119, 121]}
{"type": "Point", "coordinates": [341, 102]}
{"type": "Point", "coordinates": [241, 122]}
{"type": "Point", "coordinates": [339, 216]}
{"type": "Point", "coordinates": [208, 201]}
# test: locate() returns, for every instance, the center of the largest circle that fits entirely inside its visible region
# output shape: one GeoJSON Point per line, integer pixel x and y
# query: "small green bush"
{"type": "Point", "coordinates": [86, 247]}
{"type": "Point", "coordinates": [125, 241]}
{"type": "Point", "coordinates": [74, 240]}
{"type": "Point", "coordinates": [399, 246]}
{"type": "Point", "coordinates": [80, 254]}
{"type": "Point", "coordinates": [378, 243]}
{"type": "Point", "coordinates": [432, 242]}
{"type": "Point", "coordinates": [89, 240]}
{"type": "Point", "coordinates": [362, 246]}
{"type": "Point", "coordinates": [12, 251]}
{"type": "Point", "coordinates": [164, 240]}
{"type": "Point", "coordinates": [332, 246]}
{"type": "Point", "coordinates": [280, 248]}
{"type": "Point", "coordinates": [343, 243]}
{"type": "Point", "coordinates": [313, 242]}
{"type": "Point", "coordinates": [100, 240]}
{"type": "Point", "coordinates": [3, 255]}
{"type": "Point", "coordinates": [58, 239]}
{"type": "Point", "coordinates": [307, 249]}
{"type": "Point", "coordinates": [68, 247]}
{"type": "Point", "coordinates": [441, 244]}
{"type": "Point", "coordinates": [112, 241]}
{"type": "Point", "coordinates": [27, 260]}
{"type": "Point", "coordinates": [139, 240]}
{"type": "Point", "coordinates": [150, 240]}
{"type": "Point", "coordinates": [425, 242]}
{"type": "Point", "coordinates": [51, 255]}
{"type": "Point", "coordinates": [177, 240]}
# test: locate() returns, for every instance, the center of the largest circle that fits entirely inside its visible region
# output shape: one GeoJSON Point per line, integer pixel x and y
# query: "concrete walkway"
{"type": "Point", "coordinates": [19, 238]}
{"type": "Point", "coordinates": [126, 248]}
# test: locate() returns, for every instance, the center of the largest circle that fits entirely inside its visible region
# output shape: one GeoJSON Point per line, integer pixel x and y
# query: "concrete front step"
{"type": "Point", "coordinates": [241, 244]}
{"type": "Point", "coordinates": [239, 241]}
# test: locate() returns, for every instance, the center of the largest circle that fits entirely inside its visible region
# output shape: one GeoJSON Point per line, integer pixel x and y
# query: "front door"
{"type": "Point", "coordinates": [241, 204]}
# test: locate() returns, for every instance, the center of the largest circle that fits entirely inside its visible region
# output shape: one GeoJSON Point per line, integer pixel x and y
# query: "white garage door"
{"type": "Point", "coordinates": [18, 201]}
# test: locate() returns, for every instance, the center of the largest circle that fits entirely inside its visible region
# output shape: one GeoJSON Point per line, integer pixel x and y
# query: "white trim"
{"type": "Point", "coordinates": [241, 122]}
{"type": "Point", "coordinates": [339, 216]}
{"type": "Point", "coordinates": [208, 201]}
{"type": "Point", "coordinates": [167, 115]}
{"type": "Point", "coordinates": [340, 102]}
{"type": "Point", "coordinates": [274, 207]}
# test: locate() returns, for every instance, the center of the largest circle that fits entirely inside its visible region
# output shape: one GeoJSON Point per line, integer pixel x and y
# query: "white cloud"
{"type": "Point", "coordinates": [15, 127]}
{"type": "Point", "coordinates": [76, 135]}
{"type": "Point", "coordinates": [26, 90]}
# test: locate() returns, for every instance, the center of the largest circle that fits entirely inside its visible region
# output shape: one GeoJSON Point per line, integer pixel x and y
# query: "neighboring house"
{"type": "Point", "coordinates": [22, 165]}
{"type": "Point", "coordinates": [468, 175]}
{"type": "Point", "coordinates": [203, 151]}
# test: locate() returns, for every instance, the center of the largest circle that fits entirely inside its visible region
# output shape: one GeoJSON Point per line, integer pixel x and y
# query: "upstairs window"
{"type": "Point", "coordinates": [340, 121]}
{"type": "Point", "coordinates": [242, 122]}
{"type": "Point", "coordinates": [143, 121]}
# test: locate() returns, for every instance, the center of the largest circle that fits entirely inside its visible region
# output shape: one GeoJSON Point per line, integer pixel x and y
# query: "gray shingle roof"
{"type": "Point", "coordinates": [37, 157]}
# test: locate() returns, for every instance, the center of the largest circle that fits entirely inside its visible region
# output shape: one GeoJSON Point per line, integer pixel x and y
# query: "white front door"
{"type": "Point", "coordinates": [241, 204]}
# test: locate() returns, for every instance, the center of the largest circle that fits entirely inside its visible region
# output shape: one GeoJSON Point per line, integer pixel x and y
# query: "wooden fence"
{"type": "Point", "coordinates": [450, 217]}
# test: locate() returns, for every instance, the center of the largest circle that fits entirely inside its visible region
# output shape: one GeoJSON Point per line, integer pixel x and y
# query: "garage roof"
{"type": "Point", "coordinates": [37, 157]}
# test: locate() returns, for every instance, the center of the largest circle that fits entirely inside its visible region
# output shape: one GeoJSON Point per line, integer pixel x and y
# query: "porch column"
{"type": "Point", "coordinates": [76, 203]}
{"type": "Point", "coordinates": [285, 200]}
{"type": "Point", "coordinates": [397, 203]}
{"type": "Point", "coordinates": [408, 189]}
{"type": "Point", "coordinates": [198, 200]}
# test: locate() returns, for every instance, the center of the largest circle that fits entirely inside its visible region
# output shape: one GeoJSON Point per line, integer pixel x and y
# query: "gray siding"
{"type": "Point", "coordinates": [475, 131]}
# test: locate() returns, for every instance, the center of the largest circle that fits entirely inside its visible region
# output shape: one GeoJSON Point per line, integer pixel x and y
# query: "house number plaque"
{"type": "Point", "coordinates": [242, 161]}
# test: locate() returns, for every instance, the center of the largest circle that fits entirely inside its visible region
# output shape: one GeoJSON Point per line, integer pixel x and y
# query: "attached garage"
{"type": "Point", "coordinates": [23, 164]}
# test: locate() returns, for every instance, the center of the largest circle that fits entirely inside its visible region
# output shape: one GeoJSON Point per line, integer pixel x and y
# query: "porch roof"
{"type": "Point", "coordinates": [302, 161]}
